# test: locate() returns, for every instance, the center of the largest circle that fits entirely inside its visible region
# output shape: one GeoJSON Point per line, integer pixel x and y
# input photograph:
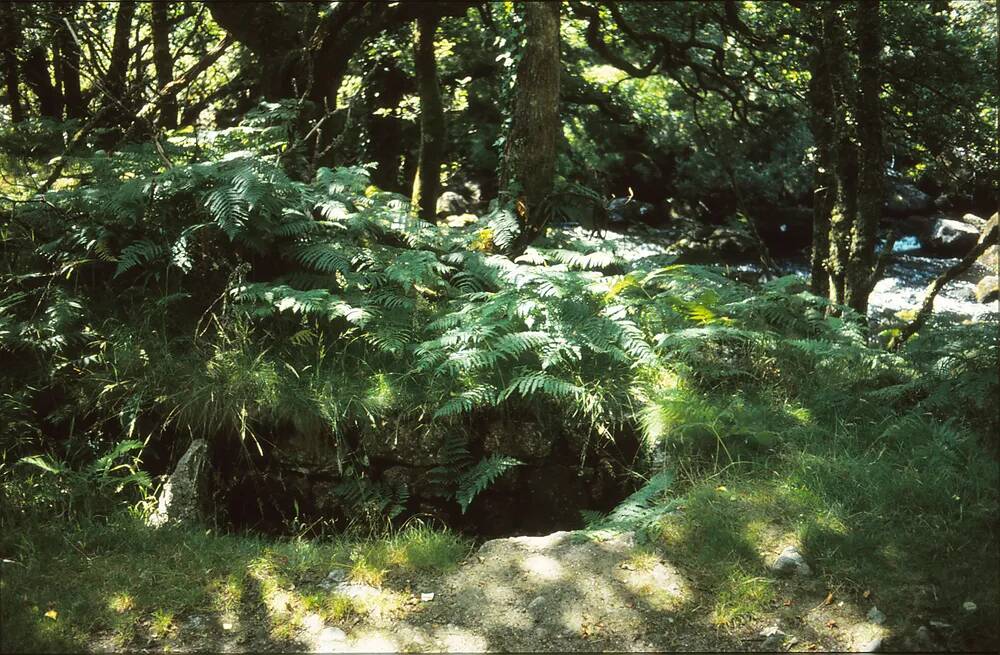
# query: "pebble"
{"type": "Point", "coordinates": [875, 616]}
{"type": "Point", "coordinates": [791, 561]}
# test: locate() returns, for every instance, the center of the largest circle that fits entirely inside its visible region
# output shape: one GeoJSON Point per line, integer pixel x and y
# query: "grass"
{"type": "Point", "coordinates": [894, 511]}
{"type": "Point", "coordinates": [121, 580]}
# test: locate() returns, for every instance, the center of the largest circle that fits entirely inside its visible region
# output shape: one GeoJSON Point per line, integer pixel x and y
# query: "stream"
{"type": "Point", "coordinates": [901, 288]}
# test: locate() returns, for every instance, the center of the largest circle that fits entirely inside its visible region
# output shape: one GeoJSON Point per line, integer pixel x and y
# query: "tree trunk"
{"type": "Point", "coordinates": [39, 78]}
{"type": "Point", "coordinates": [69, 63]}
{"type": "Point", "coordinates": [844, 161]}
{"type": "Point", "coordinates": [822, 108]}
{"type": "Point", "coordinates": [871, 166]}
{"type": "Point", "coordinates": [10, 36]}
{"type": "Point", "coordinates": [427, 181]}
{"type": "Point", "coordinates": [164, 62]}
{"type": "Point", "coordinates": [530, 165]}
{"type": "Point", "coordinates": [385, 129]}
{"type": "Point", "coordinates": [117, 69]}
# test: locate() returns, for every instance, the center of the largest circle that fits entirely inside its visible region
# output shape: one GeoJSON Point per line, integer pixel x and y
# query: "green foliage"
{"type": "Point", "coordinates": [481, 476]}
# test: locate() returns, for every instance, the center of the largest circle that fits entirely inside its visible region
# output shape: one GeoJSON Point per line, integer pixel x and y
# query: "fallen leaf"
{"type": "Point", "coordinates": [867, 594]}
{"type": "Point", "coordinates": [787, 603]}
{"type": "Point", "coordinates": [831, 624]}
{"type": "Point", "coordinates": [828, 599]}
{"type": "Point", "coordinates": [52, 614]}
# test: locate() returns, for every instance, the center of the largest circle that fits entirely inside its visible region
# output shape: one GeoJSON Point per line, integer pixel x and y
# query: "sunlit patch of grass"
{"type": "Point", "coordinates": [741, 596]}
{"type": "Point", "coordinates": [331, 607]}
{"type": "Point", "coordinates": [162, 624]}
{"type": "Point", "coordinates": [121, 603]}
{"type": "Point", "coordinates": [642, 559]}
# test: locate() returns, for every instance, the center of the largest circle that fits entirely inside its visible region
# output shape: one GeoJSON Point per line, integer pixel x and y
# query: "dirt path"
{"type": "Point", "coordinates": [561, 592]}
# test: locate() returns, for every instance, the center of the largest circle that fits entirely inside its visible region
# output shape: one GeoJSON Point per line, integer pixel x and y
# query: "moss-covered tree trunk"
{"type": "Point", "coordinates": [427, 181]}
{"type": "Point", "coordinates": [164, 62]}
{"type": "Point", "coordinates": [844, 162]}
{"type": "Point", "coordinates": [822, 109]}
{"type": "Point", "coordinates": [860, 277]}
{"type": "Point", "coordinates": [530, 165]}
{"type": "Point", "coordinates": [10, 36]}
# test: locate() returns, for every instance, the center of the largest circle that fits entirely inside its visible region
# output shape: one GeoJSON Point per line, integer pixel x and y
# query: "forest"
{"type": "Point", "coordinates": [579, 325]}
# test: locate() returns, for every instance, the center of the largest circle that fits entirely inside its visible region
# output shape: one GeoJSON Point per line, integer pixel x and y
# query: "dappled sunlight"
{"type": "Point", "coordinates": [542, 567]}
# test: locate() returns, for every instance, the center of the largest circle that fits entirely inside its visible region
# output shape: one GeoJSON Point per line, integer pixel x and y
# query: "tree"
{"type": "Point", "coordinates": [846, 121]}
{"type": "Point", "coordinates": [69, 62]}
{"type": "Point", "coordinates": [427, 181]}
{"type": "Point", "coordinates": [10, 33]}
{"type": "Point", "coordinates": [163, 61]}
{"type": "Point", "coordinates": [530, 166]}
{"type": "Point", "coordinates": [120, 51]}
{"type": "Point", "coordinates": [37, 73]}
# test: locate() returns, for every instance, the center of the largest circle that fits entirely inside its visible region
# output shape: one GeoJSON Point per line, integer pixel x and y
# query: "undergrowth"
{"type": "Point", "coordinates": [219, 298]}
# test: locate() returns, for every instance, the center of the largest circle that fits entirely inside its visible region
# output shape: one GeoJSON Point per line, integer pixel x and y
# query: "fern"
{"type": "Point", "coordinates": [641, 510]}
{"type": "Point", "coordinates": [481, 476]}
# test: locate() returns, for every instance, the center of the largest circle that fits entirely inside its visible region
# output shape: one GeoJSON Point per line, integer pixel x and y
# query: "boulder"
{"type": "Point", "coordinates": [183, 498]}
{"type": "Point", "coordinates": [951, 238]}
{"type": "Point", "coordinates": [918, 226]}
{"type": "Point", "coordinates": [990, 259]}
{"type": "Point", "coordinates": [988, 289]}
{"type": "Point", "coordinates": [974, 221]}
{"type": "Point", "coordinates": [904, 199]}
{"type": "Point", "coordinates": [450, 203]}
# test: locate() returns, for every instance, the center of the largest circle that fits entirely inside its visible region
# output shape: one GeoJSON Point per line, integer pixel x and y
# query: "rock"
{"type": "Point", "coordinates": [774, 638]}
{"type": "Point", "coordinates": [450, 202]}
{"type": "Point", "coordinates": [790, 561]}
{"type": "Point", "coordinates": [990, 259]}
{"type": "Point", "coordinates": [328, 635]}
{"type": "Point", "coordinates": [183, 498]}
{"type": "Point", "coordinates": [516, 439]}
{"type": "Point", "coordinates": [951, 238]}
{"type": "Point", "coordinates": [902, 198]}
{"type": "Point", "coordinates": [356, 590]}
{"type": "Point", "coordinates": [988, 289]}
{"type": "Point", "coordinates": [918, 226]}
{"type": "Point", "coordinates": [876, 616]}
{"type": "Point", "coordinates": [872, 646]}
{"type": "Point", "coordinates": [414, 447]}
{"type": "Point", "coordinates": [974, 221]}
{"type": "Point", "coordinates": [313, 622]}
